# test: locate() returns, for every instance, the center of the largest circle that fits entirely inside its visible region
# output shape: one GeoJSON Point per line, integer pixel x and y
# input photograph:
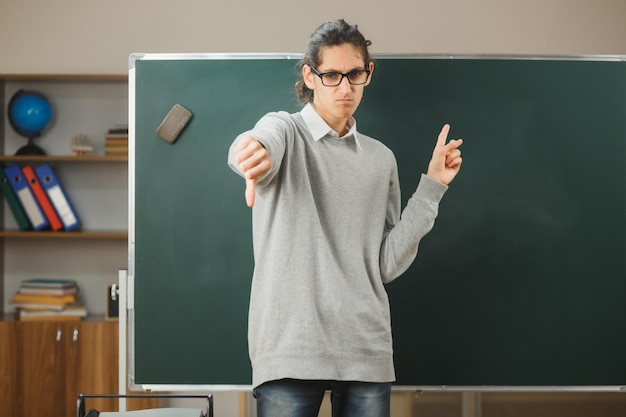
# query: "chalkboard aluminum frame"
{"type": "Point", "coordinates": [127, 342]}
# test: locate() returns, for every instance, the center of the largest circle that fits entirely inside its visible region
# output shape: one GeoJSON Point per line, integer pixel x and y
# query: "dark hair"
{"type": "Point", "coordinates": [334, 33]}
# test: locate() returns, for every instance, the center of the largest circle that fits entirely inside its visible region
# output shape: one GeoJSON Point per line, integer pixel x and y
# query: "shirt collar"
{"type": "Point", "coordinates": [319, 128]}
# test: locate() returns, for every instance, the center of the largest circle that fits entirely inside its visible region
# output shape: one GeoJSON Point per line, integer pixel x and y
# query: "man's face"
{"type": "Point", "coordinates": [337, 104]}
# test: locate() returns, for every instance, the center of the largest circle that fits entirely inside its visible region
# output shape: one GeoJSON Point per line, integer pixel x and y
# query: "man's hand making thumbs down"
{"type": "Point", "coordinates": [253, 161]}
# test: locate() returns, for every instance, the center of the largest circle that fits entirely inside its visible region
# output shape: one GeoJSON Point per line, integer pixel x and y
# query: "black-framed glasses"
{"type": "Point", "coordinates": [334, 78]}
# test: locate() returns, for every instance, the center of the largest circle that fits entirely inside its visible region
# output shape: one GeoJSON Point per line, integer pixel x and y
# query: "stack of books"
{"type": "Point", "coordinates": [36, 198]}
{"type": "Point", "coordinates": [48, 299]}
{"type": "Point", "coordinates": [116, 141]}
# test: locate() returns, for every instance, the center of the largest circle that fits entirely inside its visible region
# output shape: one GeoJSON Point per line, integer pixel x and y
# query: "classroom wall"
{"type": "Point", "coordinates": [86, 36]}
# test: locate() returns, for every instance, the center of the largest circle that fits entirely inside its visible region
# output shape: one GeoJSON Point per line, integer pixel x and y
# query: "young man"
{"type": "Point", "coordinates": [327, 236]}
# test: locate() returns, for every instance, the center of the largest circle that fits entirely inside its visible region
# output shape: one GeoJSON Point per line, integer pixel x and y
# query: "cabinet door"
{"type": "Point", "coordinates": [94, 362]}
{"type": "Point", "coordinates": [60, 360]}
{"type": "Point", "coordinates": [8, 369]}
{"type": "Point", "coordinates": [43, 368]}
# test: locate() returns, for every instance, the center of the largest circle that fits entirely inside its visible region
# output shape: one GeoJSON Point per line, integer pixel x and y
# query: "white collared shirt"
{"type": "Point", "coordinates": [319, 128]}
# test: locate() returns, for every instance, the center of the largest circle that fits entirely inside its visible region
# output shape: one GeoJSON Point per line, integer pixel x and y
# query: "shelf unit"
{"type": "Point", "coordinates": [96, 184]}
{"type": "Point", "coordinates": [92, 255]}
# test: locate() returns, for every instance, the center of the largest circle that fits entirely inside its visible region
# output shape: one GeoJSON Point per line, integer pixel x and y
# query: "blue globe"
{"type": "Point", "coordinates": [29, 113]}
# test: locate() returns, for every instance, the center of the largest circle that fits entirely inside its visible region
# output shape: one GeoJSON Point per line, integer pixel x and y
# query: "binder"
{"type": "Point", "coordinates": [42, 198]}
{"type": "Point", "coordinates": [26, 197]}
{"type": "Point", "coordinates": [14, 204]}
{"type": "Point", "coordinates": [57, 196]}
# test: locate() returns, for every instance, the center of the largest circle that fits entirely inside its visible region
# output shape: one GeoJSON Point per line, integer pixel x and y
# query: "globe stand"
{"type": "Point", "coordinates": [30, 149]}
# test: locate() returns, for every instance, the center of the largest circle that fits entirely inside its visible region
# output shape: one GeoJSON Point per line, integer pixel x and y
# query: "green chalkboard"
{"type": "Point", "coordinates": [522, 281]}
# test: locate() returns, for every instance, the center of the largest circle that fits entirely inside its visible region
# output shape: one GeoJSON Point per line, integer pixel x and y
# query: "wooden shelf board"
{"type": "Point", "coordinates": [63, 235]}
{"type": "Point", "coordinates": [63, 158]}
{"type": "Point", "coordinates": [98, 318]}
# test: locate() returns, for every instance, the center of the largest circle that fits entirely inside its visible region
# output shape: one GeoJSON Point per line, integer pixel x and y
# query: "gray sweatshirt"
{"type": "Point", "coordinates": [327, 234]}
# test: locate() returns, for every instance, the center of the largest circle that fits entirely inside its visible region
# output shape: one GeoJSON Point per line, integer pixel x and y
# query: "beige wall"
{"type": "Point", "coordinates": [94, 37]}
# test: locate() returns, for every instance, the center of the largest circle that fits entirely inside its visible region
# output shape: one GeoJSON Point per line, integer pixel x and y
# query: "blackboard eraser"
{"type": "Point", "coordinates": [174, 123]}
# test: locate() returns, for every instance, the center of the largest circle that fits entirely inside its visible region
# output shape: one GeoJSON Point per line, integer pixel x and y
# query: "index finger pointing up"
{"type": "Point", "coordinates": [443, 135]}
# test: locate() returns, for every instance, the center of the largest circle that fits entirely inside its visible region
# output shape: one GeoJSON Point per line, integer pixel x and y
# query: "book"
{"type": "Point", "coordinates": [67, 314]}
{"type": "Point", "coordinates": [38, 305]}
{"type": "Point", "coordinates": [21, 317]}
{"type": "Point", "coordinates": [121, 141]}
{"type": "Point", "coordinates": [114, 134]}
{"type": "Point", "coordinates": [116, 141]}
{"type": "Point", "coordinates": [118, 129]}
{"type": "Point", "coordinates": [48, 283]}
{"type": "Point", "coordinates": [48, 287]}
{"type": "Point", "coordinates": [42, 198]}
{"type": "Point", "coordinates": [43, 301]}
{"type": "Point", "coordinates": [14, 204]}
{"type": "Point", "coordinates": [116, 150]}
{"type": "Point", "coordinates": [36, 299]}
{"type": "Point", "coordinates": [48, 291]}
